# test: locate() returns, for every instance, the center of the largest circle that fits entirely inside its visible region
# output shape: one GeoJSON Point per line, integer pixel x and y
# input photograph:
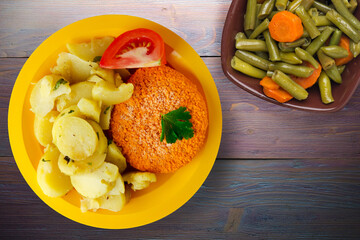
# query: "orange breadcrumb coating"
{"type": "Point", "coordinates": [136, 123]}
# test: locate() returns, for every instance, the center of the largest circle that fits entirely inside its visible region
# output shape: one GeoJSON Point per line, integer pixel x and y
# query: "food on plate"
{"type": "Point", "coordinates": [135, 49]}
{"type": "Point", "coordinates": [79, 112]}
{"type": "Point", "coordinates": [296, 45]}
{"type": "Point", "coordinates": [136, 124]}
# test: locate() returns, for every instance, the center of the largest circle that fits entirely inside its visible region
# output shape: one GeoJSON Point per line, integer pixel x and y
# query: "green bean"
{"type": "Point", "coordinates": [319, 41]}
{"type": "Point", "coordinates": [305, 34]}
{"type": "Point", "coordinates": [355, 48]}
{"type": "Point", "coordinates": [290, 57]}
{"type": "Point", "coordinates": [262, 27]}
{"type": "Point", "coordinates": [251, 45]}
{"type": "Point", "coordinates": [257, 20]}
{"type": "Point", "coordinates": [335, 51]}
{"type": "Point", "coordinates": [266, 8]}
{"type": "Point", "coordinates": [325, 88]}
{"type": "Point", "coordinates": [246, 68]}
{"type": "Point", "coordinates": [250, 15]}
{"type": "Point", "coordinates": [297, 43]}
{"type": "Point", "coordinates": [296, 70]}
{"type": "Point", "coordinates": [294, 5]}
{"type": "Point", "coordinates": [289, 85]}
{"type": "Point", "coordinates": [343, 11]}
{"type": "Point", "coordinates": [322, 28]}
{"type": "Point", "coordinates": [313, 12]}
{"type": "Point", "coordinates": [335, 38]}
{"type": "Point", "coordinates": [353, 5]}
{"type": "Point", "coordinates": [307, 4]}
{"type": "Point", "coordinates": [248, 33]}
{"type": "Point", "coordinates": [321, 21]}
{"type": "Point", "coordinates": [271, 15]}
{"type": "Point", "coordinates": [307, 22]}
{"type": "Point", "coordinates": [274, 54]}
{"type": "Point", "coordinates": [306, 43]}
{"type": "Point", "coordinates": [341, 68]}
{"type": "Point", "coordinates": [343, 25]}
{"type": "Point", "coordinates": [334, 74]}
{"type": "Point", "coordinates": [322, 7]}
{"type": "Point", "coordinates": [263, 55]}
{"type": "Point", "coordinates": [281, 4]}
{"type": "Point", "coordinates": [326, 61]}
{"type": "Point", "coordinates": [252, 59]}
{"type": "Point", "coordinates": [346, 3]}
{"type": "Point", "coordinates": [269, 73]}
{"type": "Point", "coordinates": [305, 56]}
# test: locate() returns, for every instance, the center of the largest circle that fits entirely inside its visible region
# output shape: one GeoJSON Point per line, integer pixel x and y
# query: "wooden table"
{"type": "Point", "coordinates": [280, 173]}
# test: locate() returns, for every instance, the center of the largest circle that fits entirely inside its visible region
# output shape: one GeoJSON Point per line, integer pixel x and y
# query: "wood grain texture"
{"type": "Point", "coordinates": [278, 199]}
{"type": "Point", "coordinates": [25, 24]}
{"type": "Point", "coordinates": [252, 127]}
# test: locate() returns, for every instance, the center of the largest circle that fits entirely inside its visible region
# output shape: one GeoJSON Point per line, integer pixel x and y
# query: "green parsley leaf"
{"type": "Point", "coordinates": [67, 159]}
{"type": "Point", "coordinates": [97, 59]}
{"type": "Point", "coordinates": [44, 160]}
{"type": "Point", "coordinates": [105, 111]}
{"type": "Point", "coordinates": [176, 125]}
{"type": "Point", "coordinates": [71, 111]}
{"type": "Point", "coordinates": [89, 163]}
{"type": "Point", "coordinates": [59, 82]}
{"type": "Point", "coordinates": [109, 141]}
{"type": "Point", "coordinates": [97, 134]}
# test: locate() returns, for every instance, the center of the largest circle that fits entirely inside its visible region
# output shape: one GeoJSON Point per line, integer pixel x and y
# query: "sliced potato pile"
{"type": "Point", "coordinates": [72, 107]}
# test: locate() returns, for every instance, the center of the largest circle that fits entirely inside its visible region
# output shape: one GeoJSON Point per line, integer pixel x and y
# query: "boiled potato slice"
{"type": "Point", "coordinates": [78, 91]}
{"type": "Point", "coordinates": [67, 165]}
{"type": "Point", "coordinates": [44, 93]}
{"type": "Point", "coordinates": [94, 79]}
{"type": "Point", "coordinates": [139, 180]}
{"type": "Point", "coordinates": [90, 108]}
{"type": "Point", "coordinates": [96, 183]}
{"type": "Point", "coordinates": [43, 127]}
{"type": "Point", "coordinates": [89, 50]}
{"type": "Point", "coordinates": [72, 111]}
{"type": "Point", "coordinates": [113, 202]}
{"type": "Point", "coordinates": [110, 95]}
{"type": "Point", "coordinates": [106, 74]}
{"type": "Point", "coordinates": [115, 156]}
{"type": "Point", "coordinates": [105, 116]}
{"type": "Point", "coordinates": [118, 188]}
{"type": "Point", "coordinates": [87, 204]}
{"type": "Point", "coordinates": [74, 137]}
{"type": "Point", "coordinates": [98, 158]}
{"type": "Point", "coordinates": [51, 181]}
{"type": "Point", "coordinates": [72, 67]}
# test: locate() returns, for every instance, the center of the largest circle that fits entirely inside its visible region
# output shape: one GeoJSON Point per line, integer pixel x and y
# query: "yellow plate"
{"type": "Point", "coordinates": [171, 191]}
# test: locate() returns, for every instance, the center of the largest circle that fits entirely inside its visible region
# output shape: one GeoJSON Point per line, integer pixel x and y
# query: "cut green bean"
{"type": "Point", "coordinates": [294, 5]}
{"type": "Point", "coordinates": [322, 28]}
{"type": "Point", "coordinates": [290, 57]}
{"type": "Point", "coordinates": [251, 45]}
{"type": "Point", "coordinates": [262, 27]}
{"type": "Point", "coordinates": [269, 73]}
{"type": "Point", "coordinates": [271, 15]}
{"type": "Point", "coordinates": [257, 20]}
{"type": "Point", "coordinates": [246, 68]}
{"type": "Point", "coordinates": [307, 4]}
{"type": "Point", "coordinates": [334, 74]}
{"type": "Point", "coordinates": [322, 7]}
{"type": "Point", "coordinates": [335, 51]}
{"type": "Point", "coordinates": [266, 8]}
{"type": "Point", "coordinates": [252, 59]}
{"type": "Point", "coordinates": [326, 61]}
{"type": "Point", "coordinates": [305, 56]}
{"type": "Point", "coordinates": [305, 34]}
{"type": "Point", "coordinates": [343, 25]}
{"type": "Point", "coordinates": [341, 68]}
{"type": "Point", "coordinates": [325, 88]}
{"type": "Point", "coordinates": [306, 43]}
{"type": "Point", "coordinates": [250, 15]}
{"type": "Point", "coordinates": [316, 44]}
{"type": "Point", "coordinates": [289, 85]}
{"type": "Point", "coordinates": [263, 55]}
{"type": "Point", "coordinates": [296, 70]}
{"type": "Point", "coordinates": [297, 43]}
{"type": "Point", "coordinates": [321, 21]}
{"type": "Point", "coordinates": [281, 4]}
{"type": "Point", "coordinates": [353, 5]}
{"type": "Point", "coordinates": [335, 38]}
{"type": "Point", "coordinates": [274, 54]}
{"type": "Point", "coordinates": [313, 12]}
{"type": "Point", "coordinates": [307, 21]}
{"type": "Point", "coordinates": [344, 11]}
{"type": "Point", "coordinates": [355, 48]}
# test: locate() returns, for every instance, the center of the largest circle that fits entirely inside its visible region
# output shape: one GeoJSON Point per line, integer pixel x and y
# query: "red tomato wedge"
{"type": "Point", "coordinates": [135, 49]}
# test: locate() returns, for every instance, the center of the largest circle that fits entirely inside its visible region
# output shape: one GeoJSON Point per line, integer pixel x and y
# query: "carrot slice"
{"type": "Point", "coordinates": [268, 83]}
{"type": "Point", "coordinates": [344, 43]}
{"type": "Point", "coordinates": [308, 81]}
{"type": "Point", "coordinates": [279, 95]}
{"type": "Point", "coordinates": [285, 27]}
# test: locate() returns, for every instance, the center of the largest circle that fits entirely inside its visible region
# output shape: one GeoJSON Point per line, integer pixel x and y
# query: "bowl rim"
{"type": "Point", "coordinates": [119, 220]}
{"type": "Point", "coordinates": [225, 66]}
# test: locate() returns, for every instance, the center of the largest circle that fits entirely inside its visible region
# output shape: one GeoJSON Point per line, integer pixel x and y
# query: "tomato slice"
{"type": "Point", "coordinates": [134, 49]}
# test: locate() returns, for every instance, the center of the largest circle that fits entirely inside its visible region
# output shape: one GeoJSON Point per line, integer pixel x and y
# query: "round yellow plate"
{"type": "Point", "coordinates": [171, 191]}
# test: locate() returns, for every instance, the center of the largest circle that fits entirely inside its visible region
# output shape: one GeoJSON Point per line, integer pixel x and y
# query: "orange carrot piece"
{"type": "Point", "coordinates": [344, 43]}
{"type": "Point", "coordinates": [268, 83]}
{"type": "Point", "coordinates": [279, 95]}
{"type": "Point", "coordinates": [308, 81]}
{"type": "Point", "coordinates": [285, 27]}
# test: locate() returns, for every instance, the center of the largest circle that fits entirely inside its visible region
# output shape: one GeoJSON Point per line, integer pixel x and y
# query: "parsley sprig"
{"type": "Point", "coordinates": [58, 83]}
{"type": "Point", "coordinates": [176, 125]}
